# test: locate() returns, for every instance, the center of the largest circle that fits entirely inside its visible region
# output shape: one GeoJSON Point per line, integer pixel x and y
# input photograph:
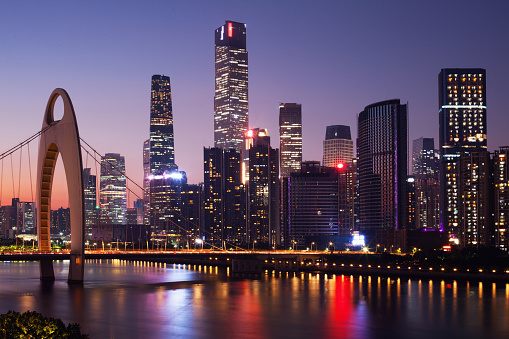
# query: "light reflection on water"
{"type": "Point", "coordinates": [121, 299]}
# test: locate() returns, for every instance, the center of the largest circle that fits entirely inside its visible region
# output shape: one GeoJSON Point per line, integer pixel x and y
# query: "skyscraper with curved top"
{"type": "Point", "coordinates": [231, 91]}
{"type": "Point", "coordinates": [382, 165]}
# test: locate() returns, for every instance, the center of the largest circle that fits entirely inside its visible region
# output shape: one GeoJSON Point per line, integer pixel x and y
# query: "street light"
{"type": "Point", "coordinates": [254, 242]}
{"type": "Point", "coordinates": [313, 243]}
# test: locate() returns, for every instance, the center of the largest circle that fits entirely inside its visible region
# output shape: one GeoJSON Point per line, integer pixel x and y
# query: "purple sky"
{"type": "Point", "coordinates": [333, 57]}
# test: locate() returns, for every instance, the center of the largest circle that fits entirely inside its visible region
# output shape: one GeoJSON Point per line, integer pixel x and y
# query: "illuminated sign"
{"type": "Point", "coordinates": [230, 30]}
{"type": "Point", "coordinates": [358, 240]}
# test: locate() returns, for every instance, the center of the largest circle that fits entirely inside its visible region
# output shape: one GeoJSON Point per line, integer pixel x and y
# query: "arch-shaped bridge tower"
{"type": "Point", "coordinates": [61, 137]}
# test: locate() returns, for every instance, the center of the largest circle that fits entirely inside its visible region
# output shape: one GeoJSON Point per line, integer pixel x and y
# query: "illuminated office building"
{"type": "Point", "coordinates": [290, 138]}
{"type": "Point", "coordinates": [462, 115]}
{"type": "Point", "coordinates": [165, 201]}
{"type": "Point", "coordinates": [501, 197]}
{"type": "Point", "coordinates": [382, 166]}
{"type": "Point", "coordinates": [231, 89]}
{"type": "Point", "coordinates": [424, 157]}
{"type": "Point", "coordinates": [425, 160]}
{"type": "Point", "coordinates": [191, 209]}
{"type": "Point", "coordinates": [337, 146]}
{"type": "Point", "coordinates": [146, 182]}
{"type": "Point", "coordinates": [162, 153]}
{"type": "Point", "coordinates": [224, 197]}
{"type": "Point", "coordinates": [90, 205]}
{"type": "Point", "coordinates": [318, 203]}
{"type": "Point", "coordinates": [113, 191]}
{"type": "Point", "coordinates": [263, 192]}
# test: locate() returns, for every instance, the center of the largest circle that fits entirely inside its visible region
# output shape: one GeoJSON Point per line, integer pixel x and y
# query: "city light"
{"type": "Point", "coordinates": [340, 165]}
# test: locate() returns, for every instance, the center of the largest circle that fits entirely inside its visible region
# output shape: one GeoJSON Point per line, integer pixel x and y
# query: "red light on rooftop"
{"type": "Point", "coordinates": [230, 30]}
{"type": "Point", "coordinates": [340, 165]}
{"type": "Point", "coordinates": [249, 133]}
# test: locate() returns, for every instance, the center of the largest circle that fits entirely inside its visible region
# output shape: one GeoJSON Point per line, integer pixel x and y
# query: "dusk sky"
{"type": "Point", "coordinates": [333, 57]}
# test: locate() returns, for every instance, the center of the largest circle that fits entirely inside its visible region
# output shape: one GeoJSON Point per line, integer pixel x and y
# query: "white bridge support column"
{"type": "Point", "coordinates": [61, 137]}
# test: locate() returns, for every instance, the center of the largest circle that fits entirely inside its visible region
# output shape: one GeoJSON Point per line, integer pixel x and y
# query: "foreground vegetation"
{"type": "Point", "coordinates": [35, 325]}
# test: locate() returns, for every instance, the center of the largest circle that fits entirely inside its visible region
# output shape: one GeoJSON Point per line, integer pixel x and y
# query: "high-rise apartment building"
{"type": "Point", "coordinates": [231, 90]}
{"type": "Point", "coordinates": [462, 112]}
{"type": "Point", "coordinates": [501, 197]}
{"type": "Point", "coordinates": [161, 124]}
{"type": "Point", "coordinates": [290, 138]}
{"type": "Point", "coordinates": [90, 205]}
{"type": "Point", "coordinates": [382, 166]}
{"type": "Point", "coordinates": [337, 146]}
{"type": "Point", "coordinates": [474, 188]}
{"type": "Point", "coordinates": [263, 192]}
{"type": "Point", "coordinates": [113, 190]}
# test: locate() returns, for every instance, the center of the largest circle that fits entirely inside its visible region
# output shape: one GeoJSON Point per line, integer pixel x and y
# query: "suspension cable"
{"type": "Point", "coordinates": [12, 175]}
{"type": "Point", "coordinates": [30, 170]}
{"type": "Point", "coordinates": [19, 174]}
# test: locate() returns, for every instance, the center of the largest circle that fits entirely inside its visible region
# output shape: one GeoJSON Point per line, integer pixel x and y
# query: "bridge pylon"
{"type": "Point", "coordinates": [61, 137]}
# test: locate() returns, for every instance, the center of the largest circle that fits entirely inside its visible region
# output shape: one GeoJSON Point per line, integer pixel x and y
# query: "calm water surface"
{"type": "Point", "coordinates": [134, 300]}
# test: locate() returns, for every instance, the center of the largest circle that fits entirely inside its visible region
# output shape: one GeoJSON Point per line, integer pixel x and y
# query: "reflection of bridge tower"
{"type": "Point", "coordinates": [61, 137]}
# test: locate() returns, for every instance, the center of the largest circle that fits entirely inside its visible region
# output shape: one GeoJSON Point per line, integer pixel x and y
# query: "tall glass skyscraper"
{"type": "Point", "coordinates": [162, 152]}
{"type": "Point", "coordinates": [231, 93]}
{"type": "Point", "coordinates": [290, 138]}
{"type": "Point", "coordinates": [462, 112]}
{"type": "Point", "coordinates": [382, 165]}
{"type": "Point", "coordinates": [113, 194]}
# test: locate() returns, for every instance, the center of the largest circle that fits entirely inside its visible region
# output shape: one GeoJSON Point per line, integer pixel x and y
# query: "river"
{"type": "Point", "coordinates": [122, 299]}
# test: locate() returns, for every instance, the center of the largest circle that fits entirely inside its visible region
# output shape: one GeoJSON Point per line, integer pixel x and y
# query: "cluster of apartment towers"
{"type": "Point", "coordinates": [256, 195]}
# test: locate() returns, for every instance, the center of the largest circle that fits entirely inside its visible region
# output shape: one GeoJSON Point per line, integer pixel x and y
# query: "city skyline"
{"type": "Point", "coordinates": [105, 61]}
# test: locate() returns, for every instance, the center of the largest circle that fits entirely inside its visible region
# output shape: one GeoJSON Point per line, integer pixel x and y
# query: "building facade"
{"type": "Point", "coordinates": [263, 191]}
{"type": "Point", "coordinates": [382, 166]}
{"type": "Point", "coordinates": [113, 190]}
{"type": "Point", "coordinates": [425, 169]}
{"type": "Point", "coordinates": [290, 138]}
{"type": "Point", "coordinates": [231, 86]}
{"type": "Point", "coordinates": [224, 197]}
{"type": "Point", "coordinates": [501, 198]}
{"type": "Point", "coordinates": [162, 153]}
{"type": "Point", "coordinates": [337, 146]}
{"type": "Point", "coordinates": [90, 205]}
{"type": "Point", "coordinates": [462, 117]}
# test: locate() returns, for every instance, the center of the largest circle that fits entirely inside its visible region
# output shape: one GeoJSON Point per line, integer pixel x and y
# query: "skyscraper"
{"type": "Point", "coordinates": [425, 160]}
{"type": "Point", "coordinates": [231, 91]}
{"type": "Point", "coordinates": [161, 124]}
{"type": "Point", "coordinates": [290, 138]}
{"type": "Point", "coordinates": [91, 211]}
{"type": "Point", "coordinates": [382, 165]}
{"type": "Point", "coordinates": [165, 201]}
{"type": "Point", "coordinates": [424, 157]}
{"type": "Point", "coordinates": [462, 113]}
{"type": "Point", "coordinates": [337, 146]}
{"type": "Point", "coordinates": [146, 182]}
{"type": "Point", "coordinates": [263, 197]}
{"type": "Point", "coordinates": [113, 194]}
{"type": "Point", "coordinates": [224, 196]}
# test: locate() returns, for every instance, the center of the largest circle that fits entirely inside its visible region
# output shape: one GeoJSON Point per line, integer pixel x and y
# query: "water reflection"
{"type": "Point", "coordinates": [122, 299]}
